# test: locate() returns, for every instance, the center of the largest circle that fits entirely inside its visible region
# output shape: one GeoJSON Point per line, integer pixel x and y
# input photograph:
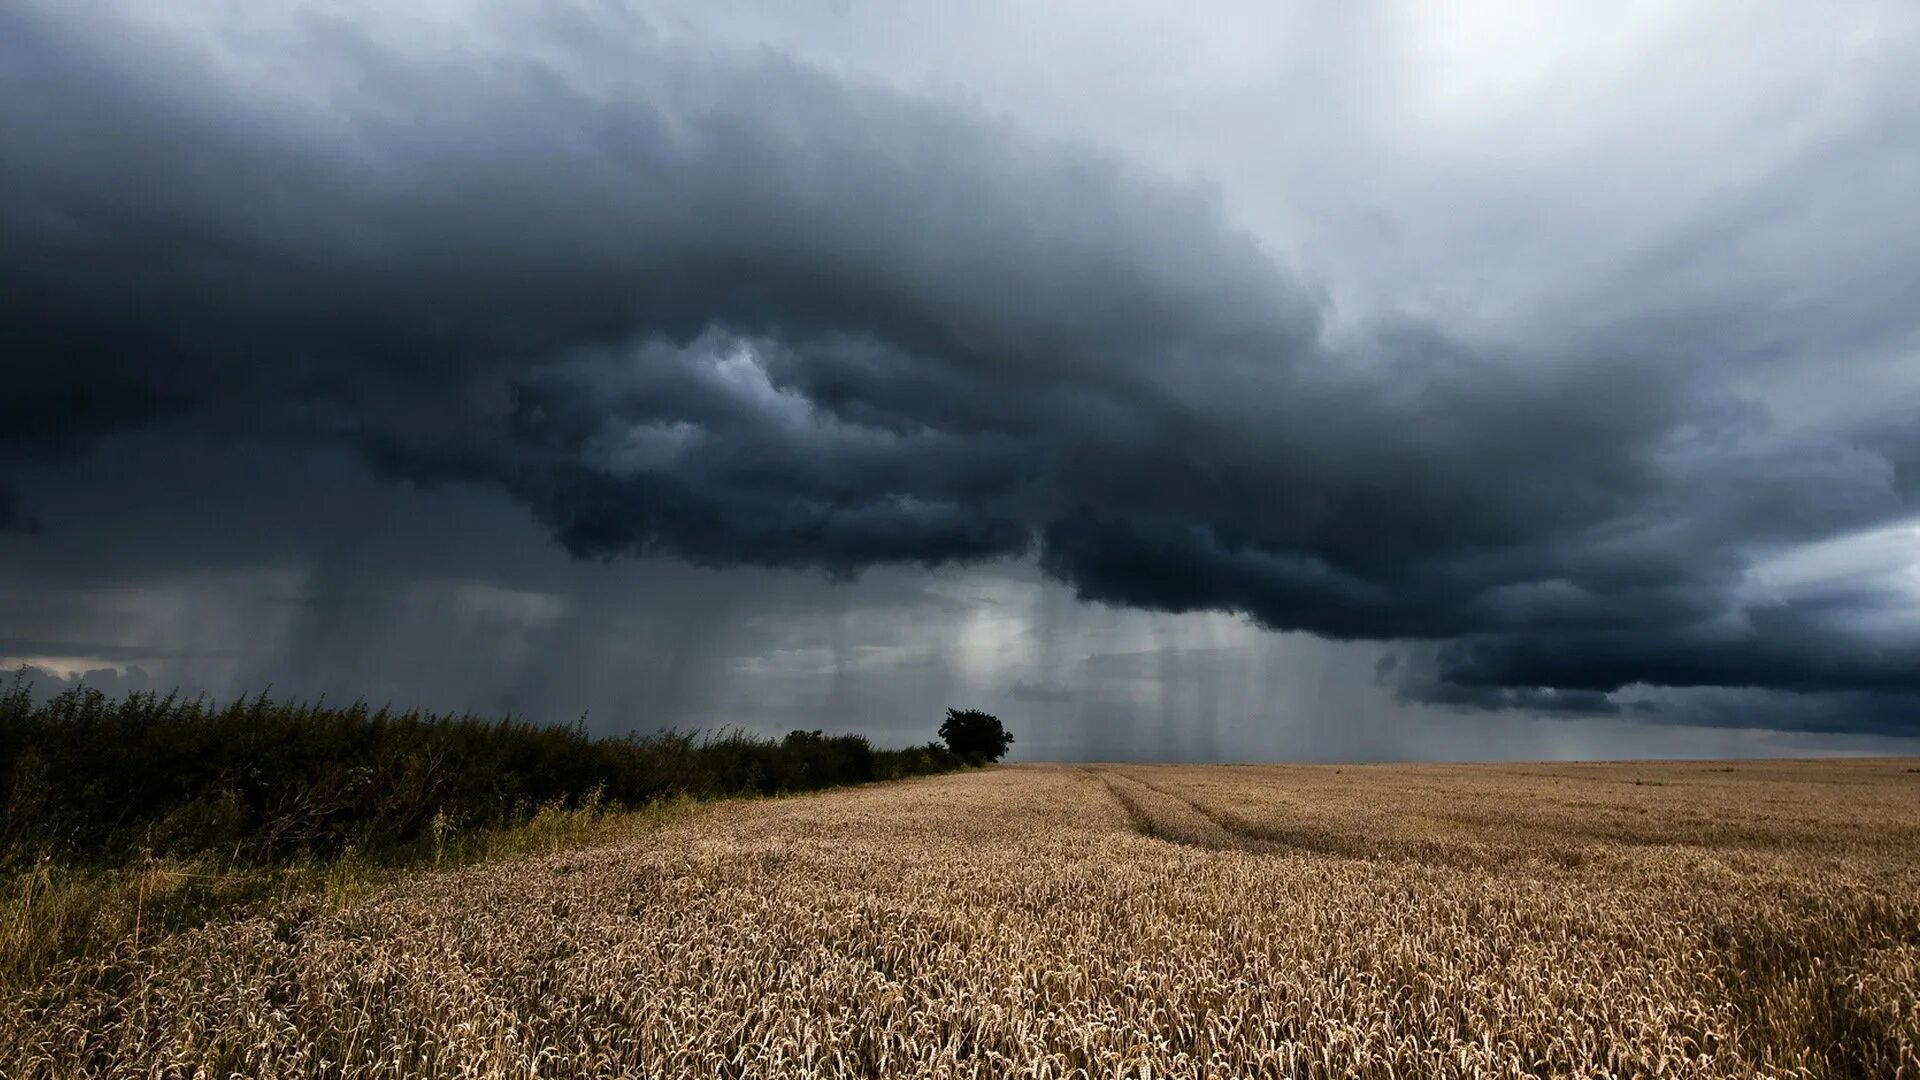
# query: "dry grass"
{"type": "Point", "coordinates": [57, 913]}
{"type": "Point", "coordinates": [1615, 920]}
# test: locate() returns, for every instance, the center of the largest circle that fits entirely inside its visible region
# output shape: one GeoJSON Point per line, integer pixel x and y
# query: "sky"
{"type": "Point", "coordinates": [1397, 381]}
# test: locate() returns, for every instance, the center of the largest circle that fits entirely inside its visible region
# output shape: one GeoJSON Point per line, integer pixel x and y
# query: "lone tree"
{"type": "Point", "coordinates": [974, 735]}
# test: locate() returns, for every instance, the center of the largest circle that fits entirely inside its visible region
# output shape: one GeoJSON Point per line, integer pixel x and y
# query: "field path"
{"type": "Point", "coordinates": [1703, 919]}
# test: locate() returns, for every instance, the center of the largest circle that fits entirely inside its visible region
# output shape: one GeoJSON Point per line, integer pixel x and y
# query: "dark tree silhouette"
{"type": "Point", "coordinates": [974, 735]}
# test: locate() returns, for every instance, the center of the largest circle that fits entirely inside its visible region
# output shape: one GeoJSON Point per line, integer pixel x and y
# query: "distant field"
{"type": "Point", "coordinates": [1696, 919]}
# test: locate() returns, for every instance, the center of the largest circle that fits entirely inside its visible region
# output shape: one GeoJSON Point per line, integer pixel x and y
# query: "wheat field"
{"type": "Point", "coordinates": [1678, 919]}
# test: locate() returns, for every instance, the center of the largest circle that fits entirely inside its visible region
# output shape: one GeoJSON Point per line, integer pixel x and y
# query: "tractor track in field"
{"type": "Point", "coordinates": [1178, 819]}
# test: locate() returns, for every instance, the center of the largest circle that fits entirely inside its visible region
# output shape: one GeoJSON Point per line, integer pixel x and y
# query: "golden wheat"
{"type": "Point", "coordinates": [1587, 920]}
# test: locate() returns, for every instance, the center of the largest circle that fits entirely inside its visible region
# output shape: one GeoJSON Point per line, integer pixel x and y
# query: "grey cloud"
{"type": "Point", "coordinates": [1040, 692]}
{"type": "Point", "coordinates": [734, 309]}
{"type": "Point", "coordinates": [99, 650]}
{"type": "Point", "coordinates": [113, 682]}
{"type": "Point", "coordinates": [1547, 701]}
{"type": "Point", "coordinates": [1849, 712]}
{"type": "Point", "coordinates": [12, 518]}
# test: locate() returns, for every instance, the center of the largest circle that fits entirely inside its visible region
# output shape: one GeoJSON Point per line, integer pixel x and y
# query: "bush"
{"type": "Point", "coordinates": [93, 779]}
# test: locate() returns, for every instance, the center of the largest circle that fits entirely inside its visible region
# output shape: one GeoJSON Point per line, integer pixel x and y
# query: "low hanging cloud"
{"type": "Point", "coordinates": [733, 309]}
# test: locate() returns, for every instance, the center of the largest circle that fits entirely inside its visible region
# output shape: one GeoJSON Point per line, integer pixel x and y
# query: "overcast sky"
{"type": "Point", "coordinates": [1355, 381]}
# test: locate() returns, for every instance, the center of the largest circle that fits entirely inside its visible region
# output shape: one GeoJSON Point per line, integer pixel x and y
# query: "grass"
{"type": "Point", "coordinates": [128, 820]}
{"type": "Point", "coordinates": [1744, 920]}
{"type": "Point", "coordinates": [58, 911]}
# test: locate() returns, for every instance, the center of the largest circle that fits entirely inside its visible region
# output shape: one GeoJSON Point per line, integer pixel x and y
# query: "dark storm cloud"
{"type": "Point", "coordinates": [1815, 713]}
{"type": "Point", "coordinates": [736, 310]}
{"type": "Point", "coordinates": [1543, 700]}
{"type": "Point", "coordinates": [12, 518]}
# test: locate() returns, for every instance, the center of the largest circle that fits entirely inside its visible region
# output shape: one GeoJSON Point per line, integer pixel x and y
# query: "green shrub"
{"type": "Point", "coordinates": [92, 779]}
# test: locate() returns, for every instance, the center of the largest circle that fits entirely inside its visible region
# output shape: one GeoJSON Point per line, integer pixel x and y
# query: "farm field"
{"type": "Point", "coordinates": [1686, 918]}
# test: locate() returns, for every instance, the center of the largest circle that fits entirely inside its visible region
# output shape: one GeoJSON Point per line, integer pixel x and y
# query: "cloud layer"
{"type": "Point", "coordinates": [732, 307]}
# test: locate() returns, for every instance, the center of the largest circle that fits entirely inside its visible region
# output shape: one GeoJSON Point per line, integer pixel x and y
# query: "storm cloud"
{"type": "Point", "coordinates": [733, 306]}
